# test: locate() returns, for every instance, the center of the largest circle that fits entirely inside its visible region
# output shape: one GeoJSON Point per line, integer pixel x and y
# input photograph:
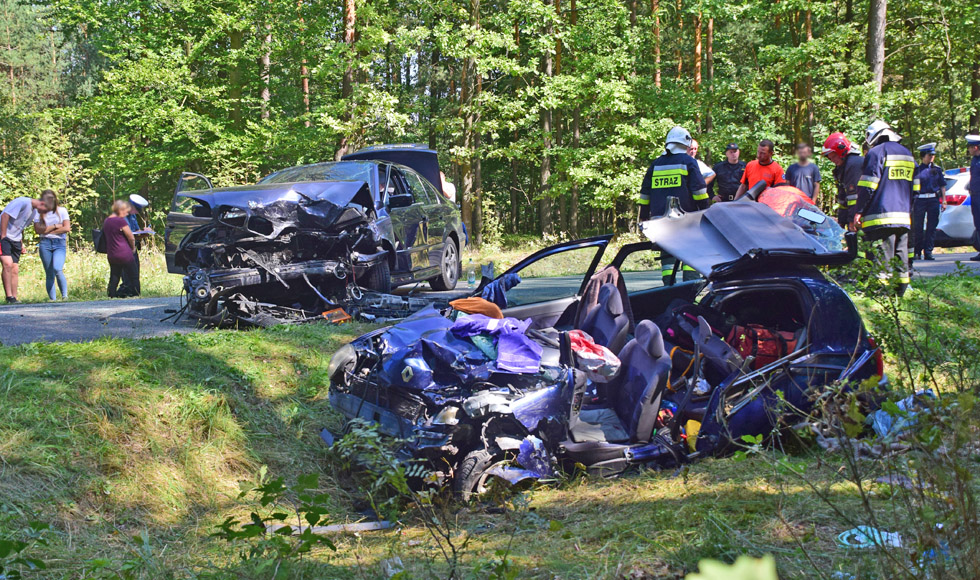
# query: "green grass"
{"type": "Point", "coordinates": [88, 275]}
{"type": "Point", "coordinates": [106, 439]}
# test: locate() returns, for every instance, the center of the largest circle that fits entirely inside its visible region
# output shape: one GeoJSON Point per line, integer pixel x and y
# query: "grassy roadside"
{"type": "Point", "coordinates": [110, 439]}
{"type": "Point", "coordinates": [88, 275]}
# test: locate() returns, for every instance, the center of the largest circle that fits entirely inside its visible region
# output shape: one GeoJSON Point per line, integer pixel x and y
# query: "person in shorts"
{"type": "Point", "coordinates": [15, 217]}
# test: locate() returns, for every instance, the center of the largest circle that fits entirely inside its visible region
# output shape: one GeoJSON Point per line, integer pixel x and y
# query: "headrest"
{"type": "Point", "coordinates": [610, 299]}
{"type": "Point", "coordinates": [648, 338]}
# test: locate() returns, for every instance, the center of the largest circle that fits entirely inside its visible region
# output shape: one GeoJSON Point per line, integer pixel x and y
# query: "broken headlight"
{"type": "Point", "coordinates": [447, 416]}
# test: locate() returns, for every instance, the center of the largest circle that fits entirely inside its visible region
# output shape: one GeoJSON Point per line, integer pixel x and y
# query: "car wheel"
{"type": "Point", "coordinates": [450, 268]}
{"type": "Point", "coordinates": [473, 476]}
{"type": "Point", "coordinates": [378, 278]}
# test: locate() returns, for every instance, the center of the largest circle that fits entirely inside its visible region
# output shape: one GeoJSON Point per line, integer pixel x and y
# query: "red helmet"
{"type": "Point", "coordinates": [836, 143]}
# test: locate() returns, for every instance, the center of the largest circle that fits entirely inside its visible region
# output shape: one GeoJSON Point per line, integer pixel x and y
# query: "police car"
{"type": "Point", "coordinates": [956, 223]}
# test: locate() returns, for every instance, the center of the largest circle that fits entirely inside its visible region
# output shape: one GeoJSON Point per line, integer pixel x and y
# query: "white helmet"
{"type": "Point", "coordinates": [678, 140]}
{"type": "Point", "coordinates": [875, 129]}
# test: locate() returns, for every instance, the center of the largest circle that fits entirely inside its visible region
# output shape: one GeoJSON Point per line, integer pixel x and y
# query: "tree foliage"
{"type": "Point", "coordinates": [545, 112]}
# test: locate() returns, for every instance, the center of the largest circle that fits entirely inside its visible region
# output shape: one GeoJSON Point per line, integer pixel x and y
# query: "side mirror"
{"type": "Point", "coordinates": [201, 211]}
{"type": "Point", "coordinates": [403, 200]}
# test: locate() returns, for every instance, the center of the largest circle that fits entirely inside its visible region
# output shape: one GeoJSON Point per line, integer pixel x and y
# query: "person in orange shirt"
{"type": "Point", "coordinates": [762, 169]}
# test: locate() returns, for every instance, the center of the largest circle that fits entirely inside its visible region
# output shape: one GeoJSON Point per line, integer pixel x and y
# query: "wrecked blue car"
{"type": "Point", "coordinates": [742, 350]}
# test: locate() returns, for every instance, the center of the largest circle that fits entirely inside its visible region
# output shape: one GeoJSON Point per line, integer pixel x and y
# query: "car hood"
{"type": "Point", "coordinates": [321, 205]}
{"type": "Point", "coordinates": [737, 236]}
{"type": "Point", "coordinates": [339, 193]}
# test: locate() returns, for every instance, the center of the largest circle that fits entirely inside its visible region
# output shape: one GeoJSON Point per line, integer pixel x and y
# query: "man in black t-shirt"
{"type": "Point", "coordinates": [728, 175]}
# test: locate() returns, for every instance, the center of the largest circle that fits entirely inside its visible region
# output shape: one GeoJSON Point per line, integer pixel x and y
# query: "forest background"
{"type": "Point", "coordinates": [545, 112]}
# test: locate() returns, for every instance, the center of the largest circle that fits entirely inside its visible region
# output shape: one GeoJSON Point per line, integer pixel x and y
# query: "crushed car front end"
{"type": "Point", "coordinates": [297, 247]}
{"type": "Point", "coordinates": [442, 399]}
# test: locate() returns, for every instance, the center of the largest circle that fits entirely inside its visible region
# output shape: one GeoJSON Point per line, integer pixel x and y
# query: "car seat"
{"type": "Point", "coordinates": [607, 321]}
{"type": "Point", "coordinates": [633, 397]}
{"type": "Point", "coordinates": [590, 297]}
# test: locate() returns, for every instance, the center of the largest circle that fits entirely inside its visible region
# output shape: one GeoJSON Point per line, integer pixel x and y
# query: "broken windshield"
{"type": "Point", "coordinates": [331, 171]}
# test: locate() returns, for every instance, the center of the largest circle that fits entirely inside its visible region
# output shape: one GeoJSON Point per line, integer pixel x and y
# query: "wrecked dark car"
{"type": "Point", "coordinates": [311, 239]}
{"type": "Point", "coordinates": [698, 364]}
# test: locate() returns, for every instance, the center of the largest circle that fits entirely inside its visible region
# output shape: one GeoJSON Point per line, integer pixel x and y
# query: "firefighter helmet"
{"type": "Point", "coordinates": [836, 143]}
{"type": "Point", "coordinates": [678, 140]}
{"type": "Point", "coordinates": [875, 129]}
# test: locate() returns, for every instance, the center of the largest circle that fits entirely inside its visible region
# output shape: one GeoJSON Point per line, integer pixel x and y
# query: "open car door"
{"type": "Point", "coordinates": [181, 218]}
{"type": "Point", "coordinates": [552, 281]}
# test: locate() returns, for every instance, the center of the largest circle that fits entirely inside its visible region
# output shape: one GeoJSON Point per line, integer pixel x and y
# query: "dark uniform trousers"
{"type": "Point", "coordinates": [888, 244]}
{"type": "Point", "coordinates": [925, 218]}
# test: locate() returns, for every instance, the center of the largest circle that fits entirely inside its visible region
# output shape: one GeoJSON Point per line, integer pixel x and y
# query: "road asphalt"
{"type": "Point", "coordinates": [143, 317]}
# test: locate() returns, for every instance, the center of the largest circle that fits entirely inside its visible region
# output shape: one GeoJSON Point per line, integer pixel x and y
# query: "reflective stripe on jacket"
{"type": "Point", "coordinates": [672, 175]}
{"type": "Point", "coordinates": [885, 189]}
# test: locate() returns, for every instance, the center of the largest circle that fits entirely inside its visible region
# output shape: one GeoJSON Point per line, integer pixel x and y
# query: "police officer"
{"type": "Point", "coordinates": [929, 191]}
{"type": "Point", "coordinates": [848, 162]}
{"type": "Point", "coordinates": [885, 199]}
{"type": "Point", "coordinates": [673, 174]}
{"type": "Point", "coordinates": [728, 175]}
{"type": "Point", "coordinates": [973, 148]}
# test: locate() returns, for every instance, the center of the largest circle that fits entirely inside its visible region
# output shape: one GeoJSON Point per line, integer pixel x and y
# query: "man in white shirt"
{"type": "Point", "coordinates": [706, 172]}
{"type": "Point", "coordinates": [13, 220]}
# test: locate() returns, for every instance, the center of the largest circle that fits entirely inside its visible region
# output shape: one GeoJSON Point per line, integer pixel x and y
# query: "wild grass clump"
{"type": "Point", "coordinates": [88, 275]}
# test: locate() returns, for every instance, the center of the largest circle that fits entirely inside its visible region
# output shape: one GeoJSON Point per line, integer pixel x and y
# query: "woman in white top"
{"type": "Point", "coordinates": [53, 227]}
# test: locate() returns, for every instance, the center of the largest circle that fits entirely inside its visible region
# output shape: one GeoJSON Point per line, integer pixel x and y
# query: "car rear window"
{"type": "Point", "coordinates": [336, 171]}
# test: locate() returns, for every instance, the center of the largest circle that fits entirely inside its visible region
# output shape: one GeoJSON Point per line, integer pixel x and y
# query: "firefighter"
{"type": "Point", "coordinates": [885, 199]}
{"type": "Point", "coordinates": [929, 198]}
{"type": "Point", "coordinates": [848, 162]}
{"type": "Point", "coordinates": [673, 174]}
{"type": "Point", "coordinates": [973, 147]}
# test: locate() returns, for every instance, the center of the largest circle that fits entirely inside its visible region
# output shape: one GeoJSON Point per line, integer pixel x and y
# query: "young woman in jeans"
{"type": "Point", "coordinates": [52, 226]}
{"type": "Point", "coordinates": [120, 246]}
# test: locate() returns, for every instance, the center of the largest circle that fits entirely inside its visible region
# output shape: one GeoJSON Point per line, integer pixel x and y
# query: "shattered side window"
{"type": "Point", "coordinates": [339, 171]}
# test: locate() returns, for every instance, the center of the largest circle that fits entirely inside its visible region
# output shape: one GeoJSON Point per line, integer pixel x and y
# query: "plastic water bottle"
{"type": "Point", "coordinates": [471, 274]}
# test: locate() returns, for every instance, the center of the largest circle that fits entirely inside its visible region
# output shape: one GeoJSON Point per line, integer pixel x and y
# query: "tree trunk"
{"type": "Point", "coordinates": [433, 97]}
{"type": "Point", "coordinates": [655, 12]}
{"type": "Point", "coordinates": [347, 83]}
{"type": "Point", "coordinates": [469, 87]}
{"type": "Point", "coordinates": [265, 68]}
{"type": "Point", "coordinates": [544, 181]}
{"type": "Point", "coordinates": [875, 51]}
{"type": "Point", "coordinates": [697, 52]}
{"type": "Point", "coordinates": [975, 96]}
{"type": "Point", "coordinates": [632, 4]}
{"type": "Point", "coordinates": [235, 77]}
{"type": "Point", "coordinates": [573, 212]}
{"type": "Point", "coordinates": [576, 135]}
{"type": "Point", "coordinates": [711, 72]}
{"type": "Point", "coordinates": [809, 77]}
{"type": "Point", "coordinates": [477, 165]}
{"type": "Point", "coordinates": [10, 52]}
{"type": "Point", "coordinates": [465, 162]}
{"type": "Point", "coordinates": [680, 39]}
{"type": "Point", "coordinates": [849, 46]}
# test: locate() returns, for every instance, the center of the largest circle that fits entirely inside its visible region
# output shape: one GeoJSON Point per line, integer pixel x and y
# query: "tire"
{"type": "Point", "coordinates": [378, 278]}
{"type": "Point", "coordinates": [471, 478]}
{"type": "Point", "coordinates": [450, 268]}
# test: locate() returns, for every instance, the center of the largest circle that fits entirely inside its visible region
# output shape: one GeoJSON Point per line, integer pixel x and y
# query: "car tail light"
{"type": "Point", "coordinates": [955, 198]}
{"type": "Point", "coordinates": [879, 358]}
